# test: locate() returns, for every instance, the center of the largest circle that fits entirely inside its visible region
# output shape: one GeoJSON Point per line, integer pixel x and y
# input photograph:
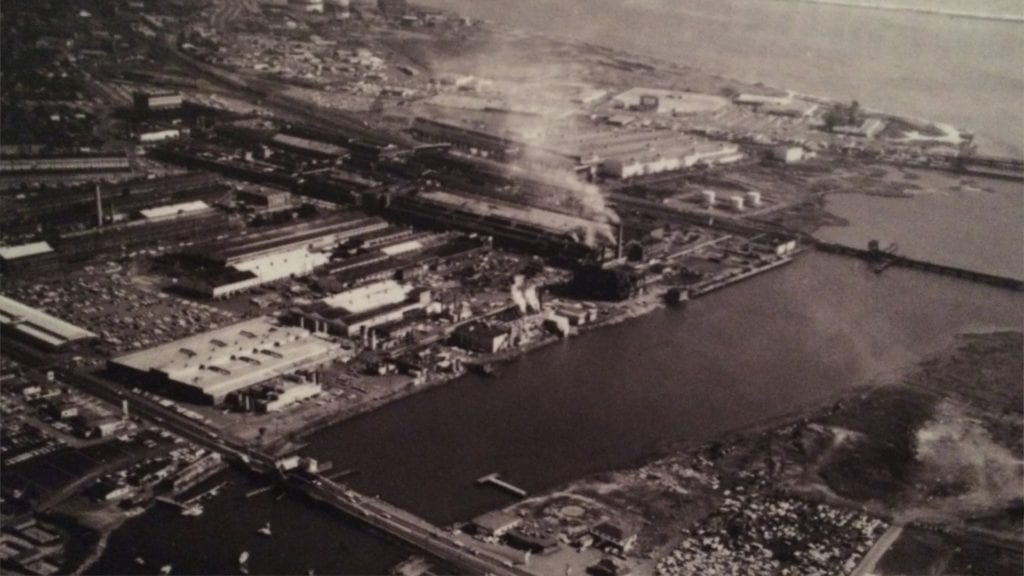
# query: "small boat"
{"type": "Point", "coordinates": [265, 530]}
{"type": "Point", "coordinates": [140, 561]}
{"type": "Point", "coordinates": [165, 569]}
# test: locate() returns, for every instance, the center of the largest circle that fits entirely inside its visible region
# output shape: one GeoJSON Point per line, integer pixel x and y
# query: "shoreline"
{"type": "Point", "coordinates": [989, 16]}
{"type": "Point", "coordinates": [952, 134]}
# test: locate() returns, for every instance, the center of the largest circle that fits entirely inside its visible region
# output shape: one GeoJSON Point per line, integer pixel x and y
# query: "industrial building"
{"type": "Point", "coordinates": [63, 208]}
{"type": "Point", "coordinates": [477, 142]}
{"type": "Point", "coordinates": [34, 257]}
{"type": "Point", "coordinates": [276, 396]}
{"type": "Point", "coordinates": [353, 312]}
{"type": "Point", "coordinates": [185, 227]}
{"type": "Point", "coordinates": [64, 164]}
{"type": "Point", "coordinates": [173, 211]}
{"type": "Point", "coordinates": [481, 337]}
{"type": "Point", "coordinates": [668, 101]}
{"type": "Point", "coordinates": [265, 198]}
{"type": "Point", "coordinates": [37, 327]}
{"type": "Point", "coordinates": [528, 227]}
{"type": "Point", "coordinates": [241, 263]}
{"type": "Point", "coordinates": [673, 156]}
{"type": "Point", "coordinates": [206, 367]}
{"type": "Point", "coordinates": [155, 101]}
{"type": "Point", "coordinates": [307, 146]}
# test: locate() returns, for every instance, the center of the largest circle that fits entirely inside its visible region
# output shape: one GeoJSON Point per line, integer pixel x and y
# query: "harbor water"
{"type": "Point", "coordinates": [604, 400]}
{"type": "Point", "coordinates": [962, 71]}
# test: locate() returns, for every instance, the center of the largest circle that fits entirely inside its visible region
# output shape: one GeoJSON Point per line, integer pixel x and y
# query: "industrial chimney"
{"type": "Point", "coordinates": [618, 243]}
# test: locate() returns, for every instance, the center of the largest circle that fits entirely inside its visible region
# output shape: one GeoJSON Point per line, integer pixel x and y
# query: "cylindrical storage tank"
{"type": "Point", "coordinates": [737, 203]}
{"type": "Point", "coordinates": [754, 198]}
{"type": "Point", "coordinates": [708, 197]}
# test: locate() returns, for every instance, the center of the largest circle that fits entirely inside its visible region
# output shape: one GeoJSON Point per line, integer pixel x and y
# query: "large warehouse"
{"type": "Point", "coordinates": [206, 367]}
{"type": "Point", "coordinates": [37, 327]}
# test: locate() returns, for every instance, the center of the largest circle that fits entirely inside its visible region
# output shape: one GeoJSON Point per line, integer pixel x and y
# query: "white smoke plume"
{"type": "Point", "coordinates": [536, 93]}
{"type": "Point", "coordinates": [955, 448]}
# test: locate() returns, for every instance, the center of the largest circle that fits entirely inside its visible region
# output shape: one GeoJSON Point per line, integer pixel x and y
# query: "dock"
{"type": "Point", "coordinates": [258, 491]}
{"type": "Point", "coordinates": [702, 288]}
{"type": "Point", "coordinates": [494, 479]}
{"type": "Point", "coordinates": [205, 493]}
{"type": "Point", "coordinates": [882, 260]}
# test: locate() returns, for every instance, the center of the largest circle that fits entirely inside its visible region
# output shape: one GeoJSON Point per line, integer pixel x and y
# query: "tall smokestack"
{"type": "Point", "coordinates": [99, 208]}
{"type": "Point", "coordinates": [618, 244]}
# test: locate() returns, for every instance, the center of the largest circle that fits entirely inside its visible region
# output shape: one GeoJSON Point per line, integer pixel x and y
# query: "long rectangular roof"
{"type": "Point", "coordinates": [484, 207]}
{"type": "Point", "coordinates": [24, 250]}
{"type": "Point", "coordinates": [175, 209]}
{"type": "Point", "coordinates": [39, 325]}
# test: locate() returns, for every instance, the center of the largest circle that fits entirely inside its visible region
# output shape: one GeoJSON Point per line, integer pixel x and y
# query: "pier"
{"type": "Point", "coordinates": [171, 502]}
{"type": "Point", "coordinates": [494, 479]}
{"type": "Point", "coordinates": [882, 259]}
{"type": "Point", "coordinates": [991, 167]}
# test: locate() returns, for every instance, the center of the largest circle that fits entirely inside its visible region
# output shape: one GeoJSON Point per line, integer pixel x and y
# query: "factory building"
{"type": "Point", "coordinates": [75, 206]}
{"type": "Point", "coordinates": [186, 227]}
{"type": "Point", "coordinates": [353, 312]}
{"type": "Point", "coordinates": [154, 136]}
{"type": "Point", "coordinates": [322, 234]}
{"type": "Point", "coordinates": [668, 101]}
{"type": "Point", "coordinates": [156, 101]}
{"type": "Point", "coordinates": [672, 156]}
{"type": "Point", "coordinates": [477, 142]}
{"type": "Point", "coordinates": [226, 268]}
{"type": "Point", "coordinates": [601, 283]}
{"type": "Point", "coordinates": [480, 337]}
{"type": "Point", "coordinates": [173, 211]}
{"type": "Point", "coordinates": [270, 199]}
{"type": "Point", "coordinates": [206, 368]}
{"type": "Point", "coordinates": [64, 164]}
{"type": "Point", "coordinates": [527, 227]}
{"type": "Point", "coordinates": [34, 258]}
{"type": "Point", "coordinates": [277, 395]}
{"type": "Point", "coordinates": [37, 327]}
{"type": "Point", "coordinates": [307, 146]}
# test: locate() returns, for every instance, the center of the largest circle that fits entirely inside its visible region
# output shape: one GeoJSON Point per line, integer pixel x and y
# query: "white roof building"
{"type": "Point", "coordinates": [38, 326]}
{"type": "Point", "coordinates": [207, 367]}
{"type": "Point", "coordinates": [174, 210]}
{"type": "Point", "coordinates": [24, 250]}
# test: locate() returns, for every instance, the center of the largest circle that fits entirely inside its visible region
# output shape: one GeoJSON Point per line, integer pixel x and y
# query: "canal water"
{"type": "Point", "coordinates": [606, 399]}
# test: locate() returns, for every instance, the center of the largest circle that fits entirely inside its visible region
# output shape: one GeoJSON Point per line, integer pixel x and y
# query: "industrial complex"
{"type": "Point", "coordinates": [227, 225]}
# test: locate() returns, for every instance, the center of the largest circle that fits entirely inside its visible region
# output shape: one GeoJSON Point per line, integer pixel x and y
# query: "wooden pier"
{"type": "Point", "coordinates": [882, 260]}
{"type": "Point", "coordinates": [494, 479]}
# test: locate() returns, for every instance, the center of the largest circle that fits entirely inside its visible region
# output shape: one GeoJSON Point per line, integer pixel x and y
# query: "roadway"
{"type": "Point", "coordinates": [469, 555]}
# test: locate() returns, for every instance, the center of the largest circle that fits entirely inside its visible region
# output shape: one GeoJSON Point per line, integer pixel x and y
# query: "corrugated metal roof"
{"type": "Point", "coordinates": [24, 250]}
